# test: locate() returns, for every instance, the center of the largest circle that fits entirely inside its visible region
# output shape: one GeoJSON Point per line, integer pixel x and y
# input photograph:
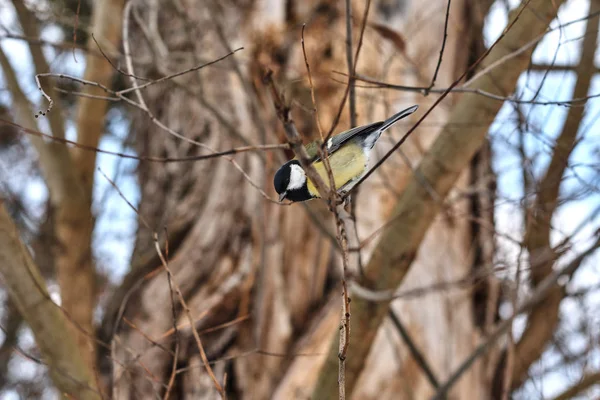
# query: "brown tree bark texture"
{"type": "Point", "coordinates": [234, 254]}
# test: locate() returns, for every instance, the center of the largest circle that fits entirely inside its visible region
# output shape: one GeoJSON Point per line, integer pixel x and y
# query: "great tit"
{"type": "Point", "coordinates": [348, 157]}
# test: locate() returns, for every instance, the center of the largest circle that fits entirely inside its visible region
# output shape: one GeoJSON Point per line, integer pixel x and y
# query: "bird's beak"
{"type": "Point", "coordinates": [282, 196]}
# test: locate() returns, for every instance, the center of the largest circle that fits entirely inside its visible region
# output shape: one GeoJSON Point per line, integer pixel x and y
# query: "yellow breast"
{"type": "Point", "coordinates": [347, 163]}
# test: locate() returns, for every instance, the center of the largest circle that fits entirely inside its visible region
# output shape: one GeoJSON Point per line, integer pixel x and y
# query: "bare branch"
{"type": "Point", "coordinates": [585, 383]}
{"type": "Point", "coordinates": [416, 353]}
{"type": "Point", "coordinates": [439, 63]}
{"type": "Point", "coordinates": [576, 101]}
{"type": "Point", "coordinates": [160, 160]}
{"type": "Point", "coordinates": [351, 69]}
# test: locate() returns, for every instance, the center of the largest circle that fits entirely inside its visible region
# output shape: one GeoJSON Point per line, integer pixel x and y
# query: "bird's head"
{"type": "Point", "coordinates": [290, 182]}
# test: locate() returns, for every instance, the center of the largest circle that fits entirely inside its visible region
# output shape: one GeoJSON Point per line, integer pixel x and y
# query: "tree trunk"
{"type": "Point", "coordinates": [236, 255]}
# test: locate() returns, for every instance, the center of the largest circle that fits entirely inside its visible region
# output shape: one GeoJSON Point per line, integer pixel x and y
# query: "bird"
{"type": "Point", "coordinates": [349, 153]}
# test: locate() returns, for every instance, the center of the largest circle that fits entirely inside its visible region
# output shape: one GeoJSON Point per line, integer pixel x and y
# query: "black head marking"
{"type": "Point", "coordinates": [281, 182]}
{"type": "Point", "coordinates": [282, 177]}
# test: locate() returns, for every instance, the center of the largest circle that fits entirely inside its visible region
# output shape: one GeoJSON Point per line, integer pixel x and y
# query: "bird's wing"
{"type": "Point", "coordinates": [335, 142]}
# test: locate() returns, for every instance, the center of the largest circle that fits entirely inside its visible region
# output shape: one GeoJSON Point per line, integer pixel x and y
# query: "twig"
{"type": "Point", "coordinates": [351, 71]}
{"type": "Point", "coordinates": [50, 101]}
{"type": "Point", "coordinates": [119, 70]}
{"type": "Point", "coordinates": [75, 27]}
{"type": "Point", "coordinates": [133, 326]}
{"type": "Point", "coordinates": [174, 316]}
{"type": "Point", "coordinates": [463, 89]}
{"type": "Point", "coordinates": [312, 88]}
{"type": "Point", "coordinates": [439, 63]}
{"type": "Point", "coordinates": [510, 347]}
{"type": "Point", "coordinates": [127, 53]}
{"type": "Point", "coordinates": [165, 160]}
{"type": "Point", "coordinates": [177, 74]}
{"type": "Point", "coordinates": [345, 322]}
{"type": "Point", "coordinates": [414, 350]}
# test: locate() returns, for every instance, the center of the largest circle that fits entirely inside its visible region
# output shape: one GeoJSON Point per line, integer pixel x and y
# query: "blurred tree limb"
{"type": "Point", "coordinates": [441, 167]}
{"type": "Point", "coordinates": [585, 383]}
{"type": "Point", "coordinates": [27, 290]}
{"type": "Point", "coordinates": [10, 328]}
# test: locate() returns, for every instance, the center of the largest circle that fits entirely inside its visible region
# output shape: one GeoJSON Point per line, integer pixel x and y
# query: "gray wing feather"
{"type": "Point", "coordinates": [335, 142]}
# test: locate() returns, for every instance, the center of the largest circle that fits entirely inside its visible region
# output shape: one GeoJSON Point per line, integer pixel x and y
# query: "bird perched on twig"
{"type": "Point", "coordinates": [348, 157]}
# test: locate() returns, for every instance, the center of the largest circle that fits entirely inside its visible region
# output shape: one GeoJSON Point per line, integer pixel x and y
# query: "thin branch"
{"type": "Point", "coordinates": [586, 382]}
{"type": "Point", "coordinates": [177, 74]}
{"type": "Point", "coordinates": [344, 340]}
{"type": "Point", "coordinates": [351, 70]}
{"type": "Point", "coordinates": [75, 26]}
{"type": "Point", "coordinates": [312, 88]}
{"type": "Point", "coordinates": [127, 52]}
{"type": "Point", "coordinates": [414, 350]}
{"type": "Point", "coordinates": [119, 70]}
{"type": "Point", "coordinates": [439, 63]}
{"type": "Point", "coordinates": [539, 67]}
{"type": "Point", "coordinates": [174, 317]}
{"type": "Point", "coordinates": [462, 89]}
{"type": "Point", "coordinates": [150, 159]}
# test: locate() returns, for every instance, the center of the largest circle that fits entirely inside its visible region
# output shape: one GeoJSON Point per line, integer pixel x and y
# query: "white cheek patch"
{"type": "Point", "coordinates": [297, 177]}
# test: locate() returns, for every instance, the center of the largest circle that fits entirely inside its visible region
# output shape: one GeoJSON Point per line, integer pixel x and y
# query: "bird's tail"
{"type": "Point", "coordinates": [397, 117]}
